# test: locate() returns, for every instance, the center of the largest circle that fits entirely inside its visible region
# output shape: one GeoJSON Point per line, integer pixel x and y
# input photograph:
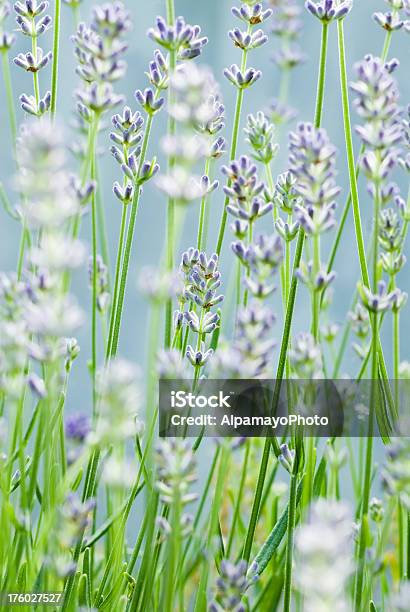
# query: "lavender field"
{"type": "Point", "coordinates": [185, 205]}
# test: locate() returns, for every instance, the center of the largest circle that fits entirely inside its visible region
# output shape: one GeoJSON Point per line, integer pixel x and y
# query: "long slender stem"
{"type": "Point", "coordinates": [320, 94]}
{"type": "Point", "coordinates": [35, 73]}
{"type": "Point", "coordinates": [289, 543]}
{"type": "Point", "coordinates": [288, 324]}
{"type": "Point", "coordinates": [237, 508]}
{"type": "Point", "coordinates": [202, 213]}
{"type": "Point", "coordinates": [342, 223]}
{"type": "Point", "coordinates": [353, 182]}
{"type": "Point", "coordinates": [94, 267]}
{"type": "Point", "coordinates": [9, 97]}
{"type": "Point", "coordinates": [234, 145]}
{"type": "Point", "coordinates": [367, 475]}
{"type": "Point", "coordinates": [128, 247]}
{"type": "Point", "coordinates": [117, 278]}
{"type": "Point", "coordinates": [315, 292]}
{"type": "Point", "coordinates": [350, 155]}
{"type": "Point", "coordinates": [56, 44]}
{"type": "Point", "coordinates": [232, 152]}
{"type": "Point", "coordinates": [170, 6]}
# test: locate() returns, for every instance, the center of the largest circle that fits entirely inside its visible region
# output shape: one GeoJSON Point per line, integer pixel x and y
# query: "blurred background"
{"type": "Point", "coordinates": [363, 36]}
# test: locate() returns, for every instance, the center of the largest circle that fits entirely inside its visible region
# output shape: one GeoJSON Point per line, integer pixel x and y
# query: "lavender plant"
{"type": "Point", "coordinates": [96, 507]}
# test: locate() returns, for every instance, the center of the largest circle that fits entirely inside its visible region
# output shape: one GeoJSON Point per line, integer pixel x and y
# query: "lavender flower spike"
{"type": "Point", "coordinates": [328, 10]}
{"type": "Point", "coordinates": [252, 15]}
{"type": "Point", "coordinates": [181, 37]}
{"type": "Point", "coordinates": [240, 79]}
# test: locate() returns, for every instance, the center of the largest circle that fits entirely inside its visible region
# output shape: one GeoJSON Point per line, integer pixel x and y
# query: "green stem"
{"type": "Point", "coordinates": [200, 601]}
{"type": "Point", "coordinates": [287, 325]}
{"type": "Point", "coordinates": [116, 278]}
{"type": "Point", "coordinates": [170, 7]}
{"type": "Point", "coordinates": [236, 512]}
{"type": "Point", "coordinates": [202, 213]}
{"type": "Point", "coordinates": [336, 244]}
{"type": "Point", "coordinates": [128, 246]}
{"type": "Point", "coordinates": [289, 543]}
{"type": "Point", "coordinates": [350, 155]}
{"type": "Point", "coordinates": [234, 145]}
{"type": "Point", "coordinates": [316, 293]}
{"type": "Point", "coordinates": [94, 267]}
{"type": "Point", "coordinates": [353, 180]}
{"type": "Point", "coordinates": [320, 94]}
{"type": "Point", "coordinates": [35, 74]}
{"type": "Point", "coordinates": [282, 271]}
{"type": "Point", "coordinates": [9, 97]}
{"type": "Point", "coordinates": [367, 475]}
{"type": "Point", "coordinates": [54, 73]}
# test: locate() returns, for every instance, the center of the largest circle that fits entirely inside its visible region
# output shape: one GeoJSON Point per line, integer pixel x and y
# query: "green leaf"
{"type": "Point", "coordinates": [274, 539]}
{"type": "Point", "coordinates": [319, 477]}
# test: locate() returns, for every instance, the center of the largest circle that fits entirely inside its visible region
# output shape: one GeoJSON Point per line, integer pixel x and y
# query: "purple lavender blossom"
{"type": "Point", "coordinates": [376, 302]}
{"type": "Point", "coordinates": [242, 79]}
{"type": "Point", "coordinates": [377, 104]}
{"type": "Point", "coordinates": [252, 15]}
{"type": "Point", "coordinates": [244, 191]}
{"type": "Point", "coordinates": [260, 134]}
{"type": "Point", "coordinates": [389, 21]}
{"type": "Point", "coordinates": [77, 427]}
{"type": "Point", "coordinates": [247, 41]}
{"type": "Point", "coordinates": [328, 10]}
{"type": "Point", "coordinates": [184, 39]}
{"type": "Point", "coordinates": [312, 160]}
{"type": "Point", "coordinates": [31, 64]}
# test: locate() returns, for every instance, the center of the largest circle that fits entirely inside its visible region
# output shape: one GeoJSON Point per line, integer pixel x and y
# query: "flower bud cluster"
{"type": "Point", "coordinates": [381, 300]}
{"type": "Point", "coordinates": [32, 21]}
{"type": "Point", "coordinates": [286, 28]}
{"type": "Point", "coordinates": [119, 403]}
{"type": "Point", "coordinates": [377, 104]}
{"type": "Point", "coordinates": [328, 10]}
{"type": "Point", "coordinates": [249, 355]}
{"type": "Point", "coordinates": [14, 335]}
{"type": "Point", "coordinates": [176, 471]}
{"type": "Point", "coordinates": [260, 133]}
{"type": "Point", "coordinates": [99, 48]}
{"type": "Point", "coordinates": [77, 428]}
{"type": "Point", "coordinates": [312, 161]}
{"type": "Point", "coordinates": [127, 135]}
{"type": "Point", "coordinates": [393, 19]}
{"type": "Point", "coordinates": [391, 241]}
{"type": "Point", "coordinates": [285, 198]}
{"type": "Point", "coordinates": [404, 160]}
{"type": "Point", "coordinates": [199, 113]}
{"type": "Point", "coordinates": [360, 323]}
{"type": "Point", "coordinates": [231, 585]}
{"type": "Point", "coordinates": [184, 39]}
{"type": "Point", "coordinates": [6, 39]}
{"type": "Point", "coordinates": [48, 205]}
{"type": "Point", "coordinates": [305, 357]}
{"type": "Point", "coordinates": [201, 283]}
{"type": "Point", "coordinates": [160, 285]}
{"type": "Point", "coordinates": [247, 195]}
{"type": "Point", "coordinates": [252, 15]}
{"type": "Point", "coordinates": [323, 556]}
{"type": "Point", "coordinates": [103, 295]}
{"type": "Point", "coordinates": [262, 259]}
